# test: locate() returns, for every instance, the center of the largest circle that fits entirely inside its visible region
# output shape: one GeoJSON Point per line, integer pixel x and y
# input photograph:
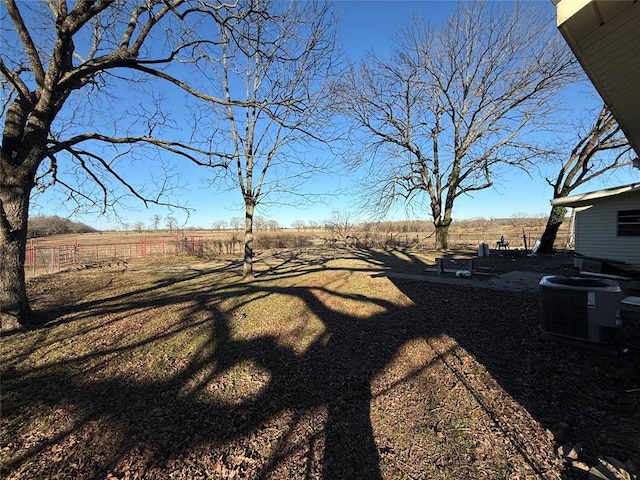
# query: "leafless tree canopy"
{"type": "Point", "coordinates": [65, 69]}
{"type": "Point", "coordinates": [599, 149]}
{"type": "Point", "coordinates": [81, 93]}
{"type": "Point", "coordinates": [85, 93]}
{"type": "Point", "coordinates": [270, 68]}
{"type": "Point", "coordinates": [452, 106]}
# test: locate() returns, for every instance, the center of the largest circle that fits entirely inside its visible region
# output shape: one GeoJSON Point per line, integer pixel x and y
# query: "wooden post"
{"type": "Point", "coordinates": [439, 266]}
{"type": "Point", "coordinates": [33, 259]}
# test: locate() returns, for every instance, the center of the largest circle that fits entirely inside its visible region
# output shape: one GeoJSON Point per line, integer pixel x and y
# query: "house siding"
{"type": "Point", "coordinates": [596, 230]}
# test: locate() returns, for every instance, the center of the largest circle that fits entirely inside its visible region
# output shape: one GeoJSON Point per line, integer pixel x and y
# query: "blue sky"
{"type": "Point", "coordinates": [365, 25]}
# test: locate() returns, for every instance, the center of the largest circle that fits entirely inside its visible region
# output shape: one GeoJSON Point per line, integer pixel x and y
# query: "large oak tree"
{"type": "Point", "coordinates": [454, 106]}
{"type": "Point", "coordinates": [59, 66]}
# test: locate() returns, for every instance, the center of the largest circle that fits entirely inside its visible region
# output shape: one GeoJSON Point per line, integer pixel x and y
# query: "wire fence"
{"type": "Point", "coordinates": [524, 241]}
{"type": "Point", "coordinates": [49, 258]}
{"type": "Point", "coordinates": [42, 259]}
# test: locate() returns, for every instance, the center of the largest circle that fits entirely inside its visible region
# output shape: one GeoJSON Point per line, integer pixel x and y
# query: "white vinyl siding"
{"type": "Point", "coordinates": [597, 230]}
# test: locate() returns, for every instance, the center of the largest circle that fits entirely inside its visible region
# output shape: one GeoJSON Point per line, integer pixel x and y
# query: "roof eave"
{"type": "Point", "coordinates": [589, 198]}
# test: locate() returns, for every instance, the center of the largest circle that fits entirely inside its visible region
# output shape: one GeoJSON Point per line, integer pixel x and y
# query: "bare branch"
{"type": "Point", "coordinates": [174, 147]}
{"type": "Point", "coordinates": [27, 41]}
{"type": "Point", "coordinates": [602, 148]}
{"type": "Point", "coordinates": [14, 79]}
{"type": "Point", "coordinates": [588, 159]}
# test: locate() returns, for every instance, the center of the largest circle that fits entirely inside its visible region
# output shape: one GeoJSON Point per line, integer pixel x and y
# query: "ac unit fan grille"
{"type": "Point", "coordinates": [564, 312]}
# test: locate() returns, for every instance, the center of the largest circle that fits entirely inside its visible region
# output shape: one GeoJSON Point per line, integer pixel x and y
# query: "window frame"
{"type": "Point", "coordinates": [628, 223]}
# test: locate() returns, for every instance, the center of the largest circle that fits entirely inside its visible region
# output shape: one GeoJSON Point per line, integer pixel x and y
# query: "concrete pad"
{"type": "Point", "coordinates": [517, 281]}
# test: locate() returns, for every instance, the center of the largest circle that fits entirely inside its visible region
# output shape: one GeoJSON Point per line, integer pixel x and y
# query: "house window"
{"type": "Point", "coordinates": [629, 223]}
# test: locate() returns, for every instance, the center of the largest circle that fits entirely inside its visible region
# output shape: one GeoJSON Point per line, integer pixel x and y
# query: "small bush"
{"type": "Point", "coordinates": [269, 241]}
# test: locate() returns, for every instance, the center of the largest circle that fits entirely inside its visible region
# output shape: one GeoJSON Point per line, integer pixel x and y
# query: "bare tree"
{"type": "Point", "coordinates": [340, 225]}
{"type": "Point", "coordinates": [155, 221]}
{"type": "Point", "coordinates": [60, 71]}
{"type": "Point", "coordinates": [313, 224]}
{"type": "Point", "coordinates": [453, 107]}
{"type": "Point", "coordinates": [272, 79]}
{"type": "Point", "coordinates": [259, 223]}
{"type": "Point", "coordinates": [298, 225]}
{"type": "Point", "coordinates": [219, 225]}
{"type": "Point", "coordinates": [171, 223]}
{"type": "Point", "coordinates": [602, 148]}
{"type": "Point", "coordinates": [235, 223]}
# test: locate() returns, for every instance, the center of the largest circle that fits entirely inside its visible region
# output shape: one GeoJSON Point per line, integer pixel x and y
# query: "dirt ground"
{"type": "Point", "coordinates": [318, 369]}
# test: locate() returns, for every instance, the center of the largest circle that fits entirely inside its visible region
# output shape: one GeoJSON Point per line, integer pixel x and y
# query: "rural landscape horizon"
{"type": "Point", "coordinates": [314, 240]}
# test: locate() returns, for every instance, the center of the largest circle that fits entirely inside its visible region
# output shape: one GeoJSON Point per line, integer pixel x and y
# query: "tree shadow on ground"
{"type": "Point", "coordinates": [334, 374]}
{"type": "Point", "coordinates": [584, 393]}
{"type": "Point", "coordinates": [309, 414]}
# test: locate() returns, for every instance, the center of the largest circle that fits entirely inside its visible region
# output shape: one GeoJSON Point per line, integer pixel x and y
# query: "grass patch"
{"type": "Point", "coordinates": [314, 369]}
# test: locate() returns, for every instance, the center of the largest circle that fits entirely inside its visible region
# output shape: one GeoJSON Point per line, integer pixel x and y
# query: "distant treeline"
{"type": "Point", "coordinates": [44, 226]}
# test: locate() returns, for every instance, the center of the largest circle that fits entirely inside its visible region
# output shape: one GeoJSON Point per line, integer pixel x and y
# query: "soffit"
{"type": "Point", "coordinates": [605, 37]}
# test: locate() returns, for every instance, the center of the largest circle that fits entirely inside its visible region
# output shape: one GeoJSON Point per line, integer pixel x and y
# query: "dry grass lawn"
{"type": "Point", "coordinates": [314, 369]}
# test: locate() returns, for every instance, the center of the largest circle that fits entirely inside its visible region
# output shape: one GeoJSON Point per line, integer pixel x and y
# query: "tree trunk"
{"type": "Point", "coordinates": [556, 217]}
{"type": "Point", "coordinates": [247, 268]}
{"type": "Point", "coordinates": [15, 190]}
{"type": "Point", "coordinates": [442, 233]}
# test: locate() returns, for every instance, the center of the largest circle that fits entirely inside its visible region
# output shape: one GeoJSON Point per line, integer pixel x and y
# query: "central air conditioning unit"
{"type": "Point", "coordinates": [580, 308]}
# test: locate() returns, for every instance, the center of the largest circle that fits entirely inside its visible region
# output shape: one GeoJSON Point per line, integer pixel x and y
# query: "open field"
{"type": "Point", "coordinates": [317, 368]}
{"type": "Point", "coordinates": [55, 253]}
{"type": "Point", "coordinates": [462, 233]}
